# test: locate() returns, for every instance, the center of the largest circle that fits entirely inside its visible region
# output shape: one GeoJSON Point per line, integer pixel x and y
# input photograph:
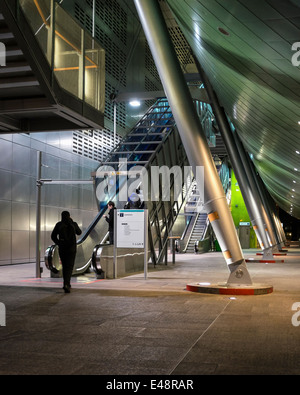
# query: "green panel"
{"type": "Point", "coordinates": [238, 209]}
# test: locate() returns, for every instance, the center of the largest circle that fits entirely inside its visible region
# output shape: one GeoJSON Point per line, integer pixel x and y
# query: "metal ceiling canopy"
{"type": "Point", "coordinates": [245, 48]}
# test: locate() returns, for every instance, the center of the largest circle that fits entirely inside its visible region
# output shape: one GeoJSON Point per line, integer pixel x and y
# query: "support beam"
{"type": "Point", "coordinates": [193, 137]}
{"type": "Point", "coordinates": [251, 197]}
{"type": "Point", "coordinates": [38, 218]}
{"type": "Point", "coordinates": [271, 227]}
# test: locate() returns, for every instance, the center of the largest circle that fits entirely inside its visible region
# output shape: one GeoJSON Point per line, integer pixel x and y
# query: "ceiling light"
{"type": "Point", "coordinates": [223, 31]}
{"type": "Point", "coordinates": [294, 181]}
{"type": "Point", "coordinates": [135, 103]}
{"type": "Point", "coordinates": [295, 169]}
{"type": "Point", "coordinates": [297, 152]}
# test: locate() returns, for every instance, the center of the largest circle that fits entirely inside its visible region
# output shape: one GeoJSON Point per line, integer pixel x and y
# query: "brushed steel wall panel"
{"type": "Point", "coordinates": [37, 145]}
{"type": "Point", "coordinates": [66, 196]}
{"type": "Point", "coordinates": [50, 166]}
{"type": "Point", "coordinates": [20, 187]}
{"type": "Point", "coordinates": [51, 194]}
{"type": "Point", "coordinates": [66, 141]}
{"type": "Point", "coordinates": [32, 189]}
{"type": "Point", "coordinates": [76, 171]}
{"type": "Point", "coordinates": [65, 170]}
{"type": "Point", "coordinates": [5, 190]}
{"type": "Point", "coordinates": [20, 216]}
{"type": "Point", "coordinates": [21, 159]}
{"type": "Point", "coordinates": [88, 201]}
{"type": "Point", "coordinates": [20, 245]}
{"type": "Point", "coordinates": [6, 154]}
{"type": "Point", "coordinates": [21, 139]}
{"type": "Point", "coordinates": [5, 246]}
{"type": "Point", "coordinates": [18, 173]}
{"type": "Point", "coordinates": [5, 215]}
{"type": "Point", "coordinates": [53, 139]}
{"type": "Point", "coordinates": [76, 195]}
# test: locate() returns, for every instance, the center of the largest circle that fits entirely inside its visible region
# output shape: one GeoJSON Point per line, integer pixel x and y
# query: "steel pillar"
{"type": "Point", "coordinates": [38, 217]}
{"type": "Point", "coordinates": [193, 137]}
{"type": "Point", "coordinates": [271, 227]}
{"type": "Point", "coordinates": [251, 197]}
{"type": "Point", "coordinates": [280, 236]}
{"type": "Point", "coordinates": [268, 229]}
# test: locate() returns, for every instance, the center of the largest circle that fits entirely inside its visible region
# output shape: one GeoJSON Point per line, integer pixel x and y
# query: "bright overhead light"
{"type": "Point", "coordinates": [135, 103]}
{"type": "Point", "coordinates": [295, 169]}
{"type": "Point", "coordinates": [294, 181]}
{"type": "Point", "coordinates": [297, 152]}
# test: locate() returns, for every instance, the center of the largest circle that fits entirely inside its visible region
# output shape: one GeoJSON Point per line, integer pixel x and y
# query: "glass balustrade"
{"type": "Point", "coordinates": [76, 59]}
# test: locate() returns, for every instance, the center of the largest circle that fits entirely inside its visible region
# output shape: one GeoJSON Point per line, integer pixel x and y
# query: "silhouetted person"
{"type": "Point", "coordinates": [110, 219]}
{"type": "Point", "coordinates": [64, 235]}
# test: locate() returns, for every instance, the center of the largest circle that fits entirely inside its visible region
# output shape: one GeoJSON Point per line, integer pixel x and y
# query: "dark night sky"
{"type": "Point", "coordinates": [290, 224]}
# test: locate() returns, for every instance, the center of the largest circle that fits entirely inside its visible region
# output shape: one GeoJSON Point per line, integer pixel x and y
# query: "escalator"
{"type": "Point", "coordinates": [154, 141]}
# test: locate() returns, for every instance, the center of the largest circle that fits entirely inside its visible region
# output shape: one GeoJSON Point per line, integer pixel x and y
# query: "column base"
{"type": "Point", "coordinates": [225, 289]}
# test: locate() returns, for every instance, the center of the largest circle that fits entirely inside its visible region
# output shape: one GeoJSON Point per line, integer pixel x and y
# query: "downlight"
{"type": "Point", "coordinates": [223, 31]}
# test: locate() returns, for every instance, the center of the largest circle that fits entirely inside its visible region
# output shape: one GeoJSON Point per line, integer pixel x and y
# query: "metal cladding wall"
{"type": "Point", "coordinates": [18, 191]}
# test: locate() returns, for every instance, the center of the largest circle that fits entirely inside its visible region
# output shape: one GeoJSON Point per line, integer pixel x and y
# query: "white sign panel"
{"type": "Point", "coordinates": [130, 228]}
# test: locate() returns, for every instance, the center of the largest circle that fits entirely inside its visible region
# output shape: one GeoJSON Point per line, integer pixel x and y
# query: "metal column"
{"type": "Point", "coordinates": [193, 137]}
{"type": "Point", "coordinates": [253, 185]}
{"type": "Point", "coordinates": [251, 196]}
{"type": "Point", "coordinates": [38, 216]}
{"type": "Point", "coordinates": [271, 227]}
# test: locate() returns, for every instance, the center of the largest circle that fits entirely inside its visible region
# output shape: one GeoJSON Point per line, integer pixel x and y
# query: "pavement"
{"type": "Point", "coordinates": [152, 326]}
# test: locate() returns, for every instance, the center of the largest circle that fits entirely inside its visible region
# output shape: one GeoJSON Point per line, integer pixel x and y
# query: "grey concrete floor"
{"type": "Point", "coordinates": [137, 326]}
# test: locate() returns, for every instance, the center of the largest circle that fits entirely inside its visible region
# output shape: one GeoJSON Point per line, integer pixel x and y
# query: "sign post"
{"type": "Point", "coordinates": [131, 231]}
{"type": "Point", "coordinates": [145, 244]}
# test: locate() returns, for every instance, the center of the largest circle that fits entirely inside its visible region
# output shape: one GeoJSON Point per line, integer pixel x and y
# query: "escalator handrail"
{"type": "Point", "coordinates": [49, 258]}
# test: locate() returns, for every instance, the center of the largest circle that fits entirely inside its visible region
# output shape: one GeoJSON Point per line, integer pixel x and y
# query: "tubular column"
{"type": "Point", "coordinates": [193, 138]}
